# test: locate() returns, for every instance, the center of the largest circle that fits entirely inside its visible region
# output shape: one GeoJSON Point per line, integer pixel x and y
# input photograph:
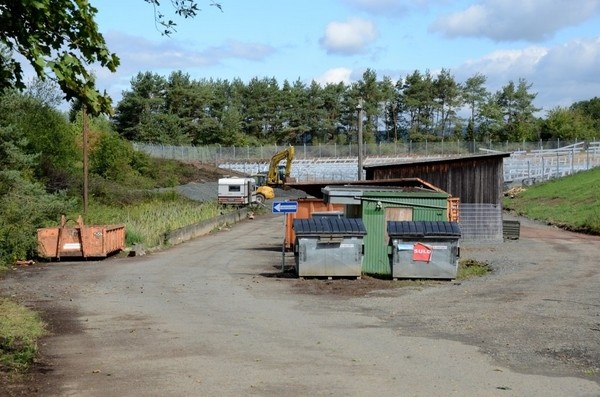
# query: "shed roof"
{"type": "Point", "coordinates": [315, 188]}
{"type": "Point", "coordinates": [329, 226]}
{"type": "Point", "coordinates": [423, 229]}
{"type": "Point", "coordinates": [440, 160]}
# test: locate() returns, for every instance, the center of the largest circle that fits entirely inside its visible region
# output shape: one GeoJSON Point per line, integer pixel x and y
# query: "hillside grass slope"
{"type": "Point", "coordinates": [572, 202]}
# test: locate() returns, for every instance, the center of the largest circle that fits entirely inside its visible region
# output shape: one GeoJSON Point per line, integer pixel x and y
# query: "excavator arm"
{"type": "Point", "coordinates": [273, 177]}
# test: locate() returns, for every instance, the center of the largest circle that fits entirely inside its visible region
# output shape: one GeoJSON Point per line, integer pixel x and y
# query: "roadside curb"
{"type": "Point", "coordinates": [203, 228]}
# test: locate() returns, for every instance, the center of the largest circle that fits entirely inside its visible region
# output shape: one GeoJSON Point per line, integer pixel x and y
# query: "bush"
{"type": "Point", "coordinates": [24, 207]}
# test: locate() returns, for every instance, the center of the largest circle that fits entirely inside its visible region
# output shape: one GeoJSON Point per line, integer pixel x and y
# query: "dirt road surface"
{"type": "Point", "coordinates": [215, 317]}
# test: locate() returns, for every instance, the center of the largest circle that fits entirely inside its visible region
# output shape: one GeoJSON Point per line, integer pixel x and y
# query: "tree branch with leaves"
{"type": "Point", "coordinates": [61, 41]}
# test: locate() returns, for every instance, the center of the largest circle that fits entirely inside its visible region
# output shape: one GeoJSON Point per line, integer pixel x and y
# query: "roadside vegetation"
{"type": "Point", "coordinates": [570, 202]}
{"type": "Point", "coordinates": [20, 329]}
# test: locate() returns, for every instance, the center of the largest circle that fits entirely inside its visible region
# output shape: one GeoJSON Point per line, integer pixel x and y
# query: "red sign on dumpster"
{"type": "Point", "coordinates": [421, 253]}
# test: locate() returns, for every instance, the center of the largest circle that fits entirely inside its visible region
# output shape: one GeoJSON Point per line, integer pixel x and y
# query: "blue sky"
{"type": "Point", "coordinates": [553, 44]}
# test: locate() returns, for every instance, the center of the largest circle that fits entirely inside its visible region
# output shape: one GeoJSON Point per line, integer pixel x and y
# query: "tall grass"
{"type": "Point", "coordinates": [147, 222]}
{"type": "Point", "coordinates": [19, 330]}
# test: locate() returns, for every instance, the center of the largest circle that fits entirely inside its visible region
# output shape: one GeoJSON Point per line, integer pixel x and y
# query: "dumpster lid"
{"type": "Point", "coordinates": [339, 226]}
{"type": "Point", "coordinates": [422, 229]}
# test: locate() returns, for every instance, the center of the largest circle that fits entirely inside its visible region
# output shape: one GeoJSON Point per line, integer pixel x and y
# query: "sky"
{"type": "Point", "coordinates": [553, 44]}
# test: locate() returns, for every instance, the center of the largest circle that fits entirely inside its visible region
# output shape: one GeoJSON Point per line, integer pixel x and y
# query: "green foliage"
{"type": "Point", "coordinates": [148, 221]}
{"type": "Point", "coordinates": [179, 110]}
{"type": "Point", "coordinates": [516, 105]}
{"type": "Point", "coordinates": [25, 204]}
{"type": "Point", "coordinates": [590, 109]}
{"type": "Point", "coordinates": [24, 207]}
{"type": "Point", "coordinates": [20, 329]}
{"type": "Point", "coordinates": [48, 134]}
{"type": "Point", "coordinates": [567, 124]}
{"type": "Point", "coordinates": [61, 41]}
{"type": "Point", "coordinates": [65, 43]}
{"type": "Point", "coordinates": [570, 202]}
{"type": "Point", "coordinates": [111, 158]}
{"type": "Point", "coordinates": [114, 159]}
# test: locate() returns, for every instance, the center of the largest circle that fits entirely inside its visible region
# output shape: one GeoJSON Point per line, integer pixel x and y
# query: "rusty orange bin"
{"type": "Point", "coordinates": [306, 206]}
{"type": "Point", "coordinates": [80, 240]}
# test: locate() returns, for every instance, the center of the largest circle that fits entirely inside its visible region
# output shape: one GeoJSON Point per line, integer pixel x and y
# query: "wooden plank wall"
{"type": "Point", "coordinates": [476, 179]}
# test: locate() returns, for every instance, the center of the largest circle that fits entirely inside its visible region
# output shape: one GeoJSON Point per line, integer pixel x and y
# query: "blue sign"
{"type": "Point", "coordinates": [285, 207]}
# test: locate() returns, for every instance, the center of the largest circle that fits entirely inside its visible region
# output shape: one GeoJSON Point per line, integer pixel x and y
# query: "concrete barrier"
{"type": "Point", "coordinates": [205, 227]}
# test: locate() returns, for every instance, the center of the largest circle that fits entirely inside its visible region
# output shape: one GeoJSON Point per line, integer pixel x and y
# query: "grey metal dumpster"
{"type": "Point", "coordinates": [327, 247]}
{"type": "Point", "coordinates": [424, 249]}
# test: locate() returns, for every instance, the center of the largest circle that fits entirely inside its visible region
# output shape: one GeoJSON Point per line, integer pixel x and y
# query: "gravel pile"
{"type": "Point", "coordinates": [199, 191]}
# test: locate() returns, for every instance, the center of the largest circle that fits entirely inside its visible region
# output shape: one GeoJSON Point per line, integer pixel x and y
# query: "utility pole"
{"type": "Point", "coordinates": [359, 107]}
{"type": "Point", "coordinates": [85, 160]}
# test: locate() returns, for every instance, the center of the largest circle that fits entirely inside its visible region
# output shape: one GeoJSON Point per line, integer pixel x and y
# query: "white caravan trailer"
{"type": "Point", "coordinates": [237, 191]}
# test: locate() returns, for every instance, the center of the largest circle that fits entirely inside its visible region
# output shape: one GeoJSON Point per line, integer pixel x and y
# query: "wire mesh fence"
{"type": "Point", "coordinates": [529, 162]}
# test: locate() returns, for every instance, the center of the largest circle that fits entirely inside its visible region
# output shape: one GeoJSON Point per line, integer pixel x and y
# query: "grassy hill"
{"type": "Point", "coordinates": [571, 202]}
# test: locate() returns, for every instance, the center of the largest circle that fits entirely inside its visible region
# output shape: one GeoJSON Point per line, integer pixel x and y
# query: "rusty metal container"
{"type": "Point", "coordinates": [97, 241]}
{"type": "Point", "coordinates": [306, 206]}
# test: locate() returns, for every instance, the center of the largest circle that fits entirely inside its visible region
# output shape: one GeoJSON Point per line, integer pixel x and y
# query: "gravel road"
{"type": "Point", "coordinates": [215, 317]}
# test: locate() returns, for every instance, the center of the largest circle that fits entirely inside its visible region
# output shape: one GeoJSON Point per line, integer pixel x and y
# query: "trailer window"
{"type": "Point", "coordinates": [235, 188]}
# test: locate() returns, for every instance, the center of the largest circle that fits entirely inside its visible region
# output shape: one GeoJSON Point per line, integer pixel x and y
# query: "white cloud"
{"type": "Point", "coordinates": [576, 60]}
{"type": "Point", "coordinates": [505, 64]}
{"type": "Point", "coordinates": [560, 75]}
{"type": "Point", "coordinates": [334, 76]}
{"type": "Point", "coordinates": [508, 20]}
{"type": "Point", "coordinates": [348, 38]}
{"type": "Point", "coordinates": [138, 53]}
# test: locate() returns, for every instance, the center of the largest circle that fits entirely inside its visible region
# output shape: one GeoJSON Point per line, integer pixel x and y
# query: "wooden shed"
{"type": "Point", "coordinates": [477, 180]}
{"type": "Point", "coordinates": [376, 205]}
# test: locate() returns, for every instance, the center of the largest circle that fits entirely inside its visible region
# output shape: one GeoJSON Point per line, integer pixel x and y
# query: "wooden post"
{"type": "Point", "coordinates": [85, 160]}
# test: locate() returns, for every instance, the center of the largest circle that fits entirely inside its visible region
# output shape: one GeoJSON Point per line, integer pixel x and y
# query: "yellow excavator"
{"type": "Point", "coordinates": [276, 176]}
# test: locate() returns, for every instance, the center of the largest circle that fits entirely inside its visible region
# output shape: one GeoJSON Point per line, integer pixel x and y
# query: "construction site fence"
{"type": "Point", "coordinates": [527, 164]}
{"type": "Point", "coordinates": [217, 153]}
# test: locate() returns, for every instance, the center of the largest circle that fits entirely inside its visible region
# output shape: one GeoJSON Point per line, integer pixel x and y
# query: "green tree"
{"type": "Point", "coordinates": [369, 90]}
{"type": "Point", "coordinates": [590, 108]}
{"type": "Point", "coordinates": [25, 205]}
{"type": "Point", "coordinates": [292, 111]}
{"type": "Point", "coordinates": [113, 158]}
{"type": "Point", "coordinates": [388, 95]}
{"type": "Point", "coordinates": [48, 134]}
{"type": "Point", "coordinates": [418, 101]}
{"type": "Point", "coordinates": [567, 124]}
{"type": "Point", "coordinates": [475, 96]}
{"type": "Point", "coordinates": [448, 99]}
{"type": "Point", "coordinates": [315, 112]}
{"type": "Point", "coordinates": [518, 111]}
{"type": "Point", "coordinates": [492, 122]}
{"type": "Point", "coordinates": [134, 113]}
{"type": "Point", "coordinates": [261, 108]}
{"type": "Point", "coordinates": [332, 106]}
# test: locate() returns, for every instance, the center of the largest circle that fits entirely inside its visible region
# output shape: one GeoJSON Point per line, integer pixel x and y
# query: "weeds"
{"type": "Point", "coordinates": [469, 268]}
{"type": "Point", "coordinates": [148, 221]}
{"type": "Point", "coordinates": [19, 330]}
